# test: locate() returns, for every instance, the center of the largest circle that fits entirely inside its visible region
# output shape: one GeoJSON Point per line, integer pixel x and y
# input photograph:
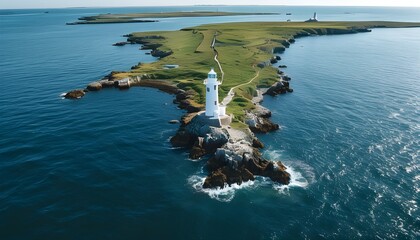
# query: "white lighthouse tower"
{"type": "Point", "coordinates": [213, 110]}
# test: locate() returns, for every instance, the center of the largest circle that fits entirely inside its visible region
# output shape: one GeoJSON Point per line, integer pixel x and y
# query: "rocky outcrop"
{"type": "Point", "coordinates": [75, 94]}
{"type": "Point", "coordinates": [200, 135]}
{"type": "Point", "coordinates": [94, 86]}
{"type": "Point", "coordinates": [119, 44]}
{"type": "Point", "coordinates": [258, 122]}
{"type": "Point", "coordinates": [239, 162]}
{"type": "Point", "coordinates": [279, 49]}
{"type": "Point", "coordinates": [273, 60]}
{"type": "Point", "coordinates": [280, 87]}
{"type": "Point", "coordinates": [106, 83]}
{"type": "Point", "coordinates": [160, 54]}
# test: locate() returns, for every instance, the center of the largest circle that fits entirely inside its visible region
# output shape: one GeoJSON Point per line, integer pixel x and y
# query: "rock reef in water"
{"type": "Point", "coordinates": [75, 94]}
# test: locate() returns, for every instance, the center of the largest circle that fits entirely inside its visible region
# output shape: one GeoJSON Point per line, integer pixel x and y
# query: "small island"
{"type": "Point", "coordinates": [147, 17]}
{"type": "Point", "coordinates": [242, 55]}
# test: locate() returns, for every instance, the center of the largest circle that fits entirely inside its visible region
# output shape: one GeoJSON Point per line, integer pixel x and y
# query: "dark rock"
{"type": "Point", "coordinates": [216, 179]}
{"type": "Point", "coordinates": [276, 172]}
{"type": "Point", "coordinates": [120, 43]}
{"type": "Point", "coordinates": [256, 143]}
{"type": "Point", "coordinates": [282, 66]}
{"type": "Point", "coordinates": [197, 152]}
{"type": "Point", "coordinates": [214, 163]}
{"type": "Point", "coordinates": [264, 126]}
{"type": "Point", "coordinates": [279, 49]}
{"type": "Point", "coordinates": [160, 54]}
{"type": "Point", "coordinates": [278, 58]}
{"type": "Point", "coordinates": [75, 94]}
{"type": "Point", "coordinates": [94, 86]}
{"type": "Point", "coordinates": [136, 66]}
{"type": "Point", "coordinates": [286, 78]}
{"type": "Point", "coordinates": [273, 60]}
{"type": "Point", "coordinates": [182, 139]}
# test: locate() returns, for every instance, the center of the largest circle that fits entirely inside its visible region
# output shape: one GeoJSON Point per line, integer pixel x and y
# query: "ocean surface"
{"type": "Point", "coordinates": [102, 167]}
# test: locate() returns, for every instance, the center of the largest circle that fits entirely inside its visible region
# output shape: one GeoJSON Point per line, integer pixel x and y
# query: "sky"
{"type": "Point", "coordinates": [7, 4]}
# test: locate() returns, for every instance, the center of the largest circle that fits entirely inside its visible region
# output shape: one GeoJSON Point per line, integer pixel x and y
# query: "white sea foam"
{"type": "Point", "coordinates": [301, 175]}
{"type": "Point", "coordinates": [225, 194]}
{"type": "Point", "coordinates": [394, 115]}
{"type": "Point", "coordinates": [296, 180]}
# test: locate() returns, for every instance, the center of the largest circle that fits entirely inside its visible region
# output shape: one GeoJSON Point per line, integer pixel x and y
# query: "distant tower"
{"type": "Point", "coordinates": [212, 95]}
{"type": "Point", "coordinates": [315, 16]}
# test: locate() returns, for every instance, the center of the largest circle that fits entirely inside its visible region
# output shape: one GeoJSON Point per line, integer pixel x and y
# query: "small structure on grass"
{"type": "Point", "coordinates": [312, 19]}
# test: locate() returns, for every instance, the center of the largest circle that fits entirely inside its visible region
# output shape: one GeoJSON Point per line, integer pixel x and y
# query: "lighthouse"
{"type": "Point", "coordinates": [213, 109]}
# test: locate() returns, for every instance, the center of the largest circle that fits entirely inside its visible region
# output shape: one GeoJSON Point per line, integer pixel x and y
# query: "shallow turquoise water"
{"type": "Point", "coordinates": [102, 167]}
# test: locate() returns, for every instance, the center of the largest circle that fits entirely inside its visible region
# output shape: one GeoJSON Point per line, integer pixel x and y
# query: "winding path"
{"type": "Point", "coordinates": [216, 54]}
{"type": "Point", "coordinates": [231, 92]}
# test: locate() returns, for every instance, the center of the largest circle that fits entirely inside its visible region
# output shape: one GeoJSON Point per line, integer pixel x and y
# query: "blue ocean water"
{"type": "Point", "coordinates": [102, 167]}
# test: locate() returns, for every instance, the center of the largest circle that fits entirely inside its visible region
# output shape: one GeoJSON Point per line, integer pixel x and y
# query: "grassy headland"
{"type": "Point", "coordinates": [145, 17]}
{"type": "Point", "coordinates": [242, 47]}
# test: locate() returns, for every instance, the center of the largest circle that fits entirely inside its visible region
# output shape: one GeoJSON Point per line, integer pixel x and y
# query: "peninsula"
{"type": "Point", "coordinates": [241, 55]}
{"type": "Point", "coordinates": [148, 17]}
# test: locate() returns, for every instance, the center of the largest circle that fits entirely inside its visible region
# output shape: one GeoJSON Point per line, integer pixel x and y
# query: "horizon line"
{"type": "Point", "coordinates": [210, 5]}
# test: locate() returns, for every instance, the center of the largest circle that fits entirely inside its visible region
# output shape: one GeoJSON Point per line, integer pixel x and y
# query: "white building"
{"type": "Point", "coordinates": [213, 109]}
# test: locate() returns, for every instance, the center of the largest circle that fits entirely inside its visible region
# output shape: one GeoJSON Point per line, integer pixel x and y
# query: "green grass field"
{"type": "Point", "coordinates": [241, 47]}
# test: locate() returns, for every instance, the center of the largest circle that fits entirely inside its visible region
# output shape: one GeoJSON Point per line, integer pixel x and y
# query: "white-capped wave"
{"type": "Point", "coordinates": [225, 194]}
{"type": "Point", "coordinates": [394, 115]}
{"type": "Point", "coordinates": [296, 180]}
{"type": "Point", "coordinates": [301, 175]}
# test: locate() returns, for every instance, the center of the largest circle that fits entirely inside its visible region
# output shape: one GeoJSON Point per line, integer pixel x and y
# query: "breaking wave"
{"type": "Point", "coordinates": [301, 176]}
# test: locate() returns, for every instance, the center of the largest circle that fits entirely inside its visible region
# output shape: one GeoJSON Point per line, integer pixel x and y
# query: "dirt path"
{"type": "Point", "coordinates": [231, 92]}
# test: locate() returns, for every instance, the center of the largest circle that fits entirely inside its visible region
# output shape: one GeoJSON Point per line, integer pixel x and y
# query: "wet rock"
{"type": "Point", "coordinates": [280, 87]}
{"type": "Point", "coordinates": [273, 60]}
{"type": "Point", "coordinates": [106, 83]}
{"type": "Point", "coordinates": [256, 143]}
{"type": "Point", "coordinates": [280, 49]}
{"type": "Point", "coordinates": [287, 78]}
{"type": "Point", "coordinates": [120, 44]}
{"type": "Point", "coordinates": [75, 94]}
{"type": "Point", "coordinates": [216, 179]}
{"type": "Point", "coordinates": [182, 139]}
{"type": "Point", "coordinates": [264, 126]}
{"type": "Point", "coordinates": [276, 171]}
{"type": "Point", "coordinates": [278, 58]}
{"type": "Point", "coordinates": [197, 152]}
{"type": "Point", "coordinates": [94, 86]}
{"type": "Point", "coordinates": [282, 66]}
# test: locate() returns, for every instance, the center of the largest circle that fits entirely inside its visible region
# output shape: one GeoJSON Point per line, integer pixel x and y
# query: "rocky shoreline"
{"type": "Point", "coordinates": [233, 155]}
